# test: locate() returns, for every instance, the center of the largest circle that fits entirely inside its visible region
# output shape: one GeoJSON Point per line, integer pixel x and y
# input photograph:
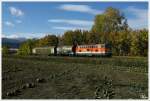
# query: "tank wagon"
{"type": "Point", "coordinates": [75, 50]}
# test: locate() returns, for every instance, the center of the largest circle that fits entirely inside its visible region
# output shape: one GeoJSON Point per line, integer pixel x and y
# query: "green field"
{"type": "Point", "coordinates": [74, 77]}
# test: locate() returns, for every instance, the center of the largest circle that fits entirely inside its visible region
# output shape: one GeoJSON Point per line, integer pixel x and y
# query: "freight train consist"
{"type": "Point", "coordinates": [75, 50]}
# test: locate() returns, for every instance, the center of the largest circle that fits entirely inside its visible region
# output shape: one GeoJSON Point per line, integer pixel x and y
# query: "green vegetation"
{"type": "Point", "coordinates": [49, 40]}
{"type": "Point", "coordinates": [5, 50]}
{"type": "Point", "coordinates": [26, 47]}
{"type": "Point", "coordinates": [32, 77]}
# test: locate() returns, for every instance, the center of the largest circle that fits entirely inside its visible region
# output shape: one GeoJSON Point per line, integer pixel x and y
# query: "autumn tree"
{"type": "Point", "coordinates": [70, 37]}
{"type": "Point", "coordinates": [110, 22]}
{"type": "Point", "coordinates": [86, 35]}
{"type": "Point", "coordinates": [77, 36]}
{"type": "Point", "coordinates": [111, 28]}
{"type": "Point", "coordinates": [48, 40]}
{"type": "Point", "coordinates": [139, 43]}
{"type": "Point", "coordinates": [143, 42]}
{"type": "Point", "coordinates": [26, 47]}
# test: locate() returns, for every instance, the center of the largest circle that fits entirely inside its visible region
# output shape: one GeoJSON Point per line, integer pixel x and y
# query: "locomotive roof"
{"type": "Point", "coordinates": [90, 44]}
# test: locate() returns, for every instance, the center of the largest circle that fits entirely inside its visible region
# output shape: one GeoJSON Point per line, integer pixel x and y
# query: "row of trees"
{"type": "Point", "coordinates": [130, 42]}
{"type": "Point", "coordinates": [111, 27]}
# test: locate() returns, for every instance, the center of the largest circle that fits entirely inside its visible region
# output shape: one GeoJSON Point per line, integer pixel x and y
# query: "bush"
{"type": "Point", "coordinates": [25, 48]}
{"type": "Point", "coordinates": [5, 50]}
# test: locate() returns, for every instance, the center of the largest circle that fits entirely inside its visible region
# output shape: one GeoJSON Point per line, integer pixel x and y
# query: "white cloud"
{"type": "Point", "coordinates": [34, 35]}
{"type": "Point", "coordinates": [73, 22]}
{"type": "Point", "coordinates": [8, 23]}
{"type": "Point", "coordinates": [18, 21]}
{"type": "Point", "coordinates": [13, 36]}
{"type": "Point", "coordinates": [25, 35]}
{"type": "Point", "coordinates": [71, 28]}
{"type": "Point", "coordinates": [79, 8]}
{"type": "Point", "coordinates": [16, 12]}
{"type": "Point", "coordinates": [140, 19]}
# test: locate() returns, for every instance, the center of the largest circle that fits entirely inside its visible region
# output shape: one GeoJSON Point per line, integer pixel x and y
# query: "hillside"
{"type": "Point", "coordinates": [12, 43]}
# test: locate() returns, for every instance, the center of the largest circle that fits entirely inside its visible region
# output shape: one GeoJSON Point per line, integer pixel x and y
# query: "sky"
{"type": "Point", "coordinates": [37, 19]}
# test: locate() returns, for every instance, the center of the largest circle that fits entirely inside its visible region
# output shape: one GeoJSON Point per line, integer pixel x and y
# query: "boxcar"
{"type": "Point", "coordinates": [43, 50]}
{"type": "Point", "coordinates": [64, 50]}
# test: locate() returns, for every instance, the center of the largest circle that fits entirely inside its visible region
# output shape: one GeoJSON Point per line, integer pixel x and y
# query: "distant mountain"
{"type": "Point", "coordinates": [12, 42]}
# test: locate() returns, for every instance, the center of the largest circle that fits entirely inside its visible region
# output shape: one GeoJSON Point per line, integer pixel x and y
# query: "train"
{"type": "Point", "coordinates": [75, 50]}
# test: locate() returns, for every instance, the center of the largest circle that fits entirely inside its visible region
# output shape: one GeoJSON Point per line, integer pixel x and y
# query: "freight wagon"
{"type": "Point", "coordinates": [75, 50]}
{"type": "Point", "coordinates": [61, 50]}
{"type": "Point", "coordinates": [43, 50]}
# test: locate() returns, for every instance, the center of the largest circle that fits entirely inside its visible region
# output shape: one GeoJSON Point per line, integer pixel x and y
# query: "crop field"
{"type": "Point", "coordinates": [49, 77]}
